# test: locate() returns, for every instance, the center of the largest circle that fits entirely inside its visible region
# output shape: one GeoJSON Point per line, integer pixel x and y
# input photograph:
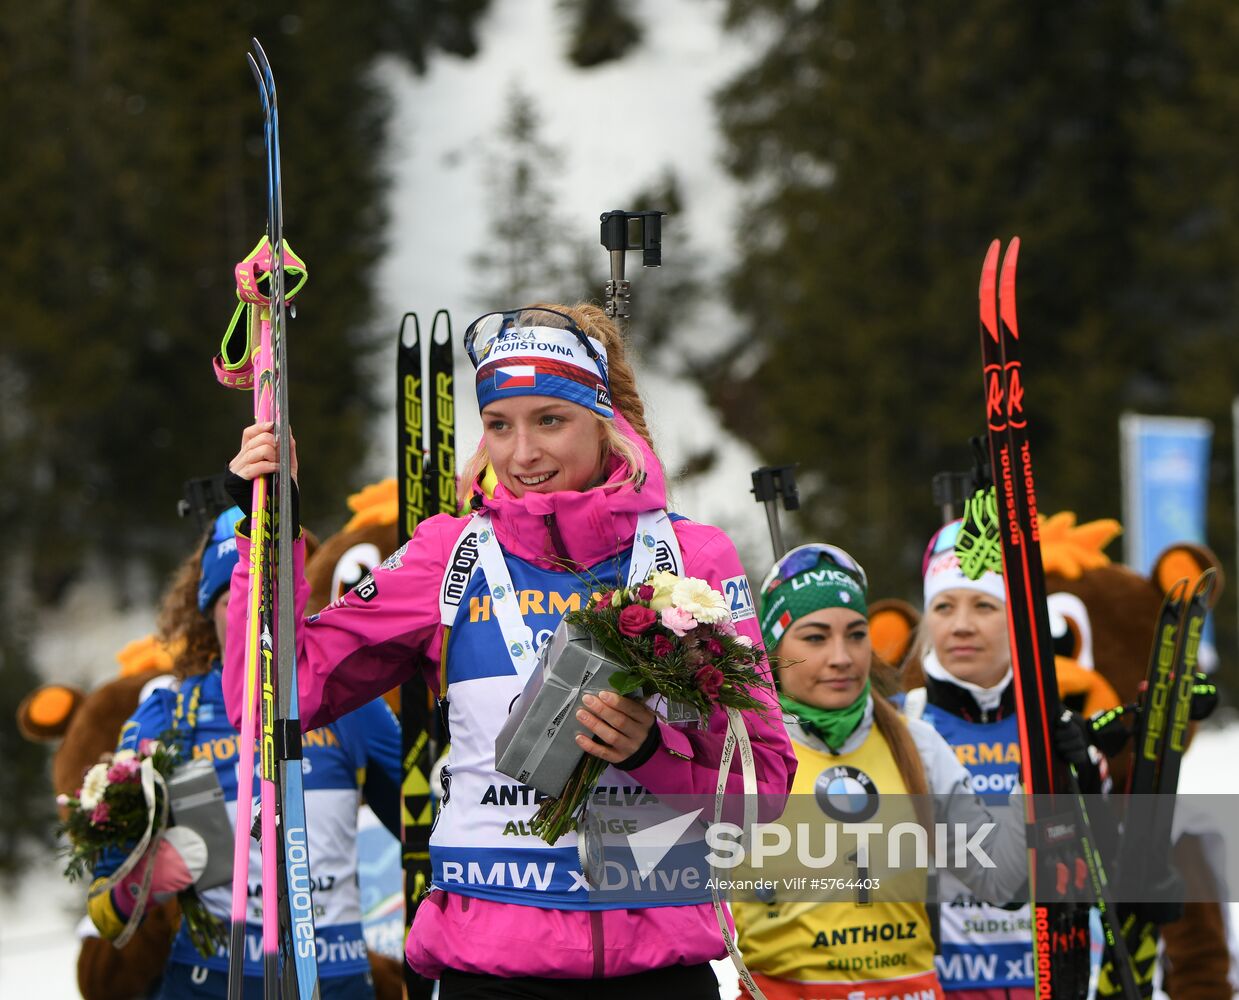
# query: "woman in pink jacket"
{"type": "Point", "coordinates": [565, 480]}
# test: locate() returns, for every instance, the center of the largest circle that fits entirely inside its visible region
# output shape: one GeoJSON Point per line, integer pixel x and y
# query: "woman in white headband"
{"type": "Point", "coordinates": [965, 653]}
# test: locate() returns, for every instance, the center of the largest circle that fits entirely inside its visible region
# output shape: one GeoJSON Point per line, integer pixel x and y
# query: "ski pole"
{"type": "Point", "coordinates": [244, 362]}
{"type": "Point", "coordinates": [772, 483]}
{"type": "Point", "coordinates": [623, 231]}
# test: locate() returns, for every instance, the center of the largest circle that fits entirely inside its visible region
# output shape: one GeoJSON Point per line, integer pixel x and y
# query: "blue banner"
{"type": "Point", "coordinates": [1165, 484]}
{"type": "Point", "coordinates": [1165, 492]}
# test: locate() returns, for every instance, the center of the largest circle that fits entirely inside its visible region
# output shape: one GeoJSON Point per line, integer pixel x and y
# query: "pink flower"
{"type": "Point", "coordinates": [714, 647]}
{"type": "Point", "coordinates": [645, 592]}
{"type": "Point", "coordinates": [663, 647]}
{"type": "Point", "coordinates": [603, 598]}
{"type": "Point", "coordinates": [146, 747]}
{"type": "Point", "coordinates": [709, 680]}
{"type": "Point", "coordinates": [124, 770]}
{"type": "Point", "coordinates": [680, 622]}
{"type": "Point", "coordinates": [726, 626]}
{"type": "Point", "coordinates": [636, 619]}
{"type": "Point", "coordinates": [99, 815]}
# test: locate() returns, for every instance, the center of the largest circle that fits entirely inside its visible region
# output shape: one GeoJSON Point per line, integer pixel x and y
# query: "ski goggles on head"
{"type": "Point", "coordinates": [811, 556]}
{"type": "Point", "coordinates": [944, 540]}
{"type": "Point", "coordinates": [537, 352]}
{"type": "Point", "coordinates": [809, 578]}
{"type": "Point", "coordinates": [955, 559]}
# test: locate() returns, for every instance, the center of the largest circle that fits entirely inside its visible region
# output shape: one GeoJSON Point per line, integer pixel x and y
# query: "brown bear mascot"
{"type": "Point", "coordinates": [1103, 616]}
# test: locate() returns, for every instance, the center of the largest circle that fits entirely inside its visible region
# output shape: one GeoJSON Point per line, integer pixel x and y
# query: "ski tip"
{"type": "Point", "coordinates": [253, 65]}
{"type": "Point", "coordinates": [1206, 589]}
{"type": "Point", "coordinates": [1006, 287]}
{"type": "Point", "coordinates": [1177, 591]}
{"type": "Point", "coordinates": [446, 337]}
{"type": "Point", "coordinates": [988, 288]}
{"type": "Point", "coordinates": [410, 336]}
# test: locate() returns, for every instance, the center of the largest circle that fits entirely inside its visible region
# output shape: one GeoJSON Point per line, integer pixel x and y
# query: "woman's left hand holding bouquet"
{"type": "Point", "coordinates": [625, 726]}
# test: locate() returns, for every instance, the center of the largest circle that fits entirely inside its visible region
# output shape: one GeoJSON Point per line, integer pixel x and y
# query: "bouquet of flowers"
{"type": "Point", "coordinates": [123, 806]}
{"type": "Point", "coordinates": [674, 637]}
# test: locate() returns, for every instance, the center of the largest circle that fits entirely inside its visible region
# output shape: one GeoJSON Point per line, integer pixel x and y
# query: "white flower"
{"type": "Point", "coordinates": [121, 755]}
{"type": "Point", "coordinates": [700, 600]}
{"type": "Point", "coordinates": [663, 584]}
{"type": "Point", "coordinates": [93, 786]}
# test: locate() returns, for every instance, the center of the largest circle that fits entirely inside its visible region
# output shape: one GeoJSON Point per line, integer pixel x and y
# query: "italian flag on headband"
{"type": "Point", "coordinates": [780, 626]}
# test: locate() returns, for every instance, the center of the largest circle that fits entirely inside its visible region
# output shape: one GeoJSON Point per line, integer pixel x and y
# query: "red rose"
{"type": "Point", "coordinates": [645, 592]}
{"type": "Point", "coordinates": [636, 619]}
{"type": "Point", "coordinates": [709, 680]}
{"type": "Point", "coordinates": [663, 646]}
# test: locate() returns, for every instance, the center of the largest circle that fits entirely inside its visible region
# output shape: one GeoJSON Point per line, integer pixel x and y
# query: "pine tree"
{"type": "Point", "coordinates": [884, 145]}
{"type": "Point", "coordinates": [135, 181]}
{"type": "Point", "coordinates": [524, 257]}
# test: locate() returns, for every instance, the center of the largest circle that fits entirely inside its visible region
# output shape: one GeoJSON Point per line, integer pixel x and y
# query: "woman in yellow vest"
{"type": "Point", "coordinates": [857, 929]}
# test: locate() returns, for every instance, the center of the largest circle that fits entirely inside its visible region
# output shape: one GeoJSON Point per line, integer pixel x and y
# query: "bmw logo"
{"type": "Point", "coordinates": [846, 794]}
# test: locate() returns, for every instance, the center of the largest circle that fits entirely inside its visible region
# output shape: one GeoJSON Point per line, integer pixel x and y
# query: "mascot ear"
{"type": "Point", "coordinates": [45, 713]}
{"type": "Point", "coordinates": [892, 624]}
{"type": "Point", "coordinates": [1186, 559]}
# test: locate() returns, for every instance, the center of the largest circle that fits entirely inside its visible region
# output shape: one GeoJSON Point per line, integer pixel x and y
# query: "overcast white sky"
{"type": "Point", "coordinates": [617, 128]}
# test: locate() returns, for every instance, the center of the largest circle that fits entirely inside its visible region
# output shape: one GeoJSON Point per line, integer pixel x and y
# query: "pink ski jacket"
{"type": "Point", "coordinates": [361, 646]}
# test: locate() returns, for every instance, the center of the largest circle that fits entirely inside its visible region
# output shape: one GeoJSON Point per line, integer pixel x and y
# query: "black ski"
{"type": "Point", "coordinates": [1159, 739]}
{"type": "Point", "coordinates": [443, 422]}
{"type": "Point", "coordinates": [1064, 860]}
{"type": "Point", "coordinates": [427, 485]}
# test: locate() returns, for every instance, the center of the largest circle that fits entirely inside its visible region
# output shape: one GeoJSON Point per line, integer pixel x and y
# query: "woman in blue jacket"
{"type": "Point", "coordinates": [357, 754]}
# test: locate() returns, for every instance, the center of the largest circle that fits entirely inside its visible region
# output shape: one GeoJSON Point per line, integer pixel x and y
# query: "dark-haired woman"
{"type": "Point", "coordinates": [859, 762]}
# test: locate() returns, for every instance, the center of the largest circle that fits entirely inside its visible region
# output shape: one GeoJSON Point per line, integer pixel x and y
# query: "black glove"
{"type": "Point", "coordinates": [1204, 698]}
{"type": "Point", "coordinates": [242, 493]}
{"type": "Point", "coordinates": [1070, 737]}
{"type": "Point", "coordinates": [1109, 730]}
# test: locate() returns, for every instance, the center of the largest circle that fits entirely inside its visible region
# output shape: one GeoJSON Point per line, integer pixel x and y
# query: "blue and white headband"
{"type": "Point", "coordinates": [538, 352]}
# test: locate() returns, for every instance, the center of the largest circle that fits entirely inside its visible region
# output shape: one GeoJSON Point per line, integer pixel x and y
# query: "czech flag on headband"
{"type": "Point", "coordinates": [779, 627]}
{"type": "Point", "coordinates": [516, 377]}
